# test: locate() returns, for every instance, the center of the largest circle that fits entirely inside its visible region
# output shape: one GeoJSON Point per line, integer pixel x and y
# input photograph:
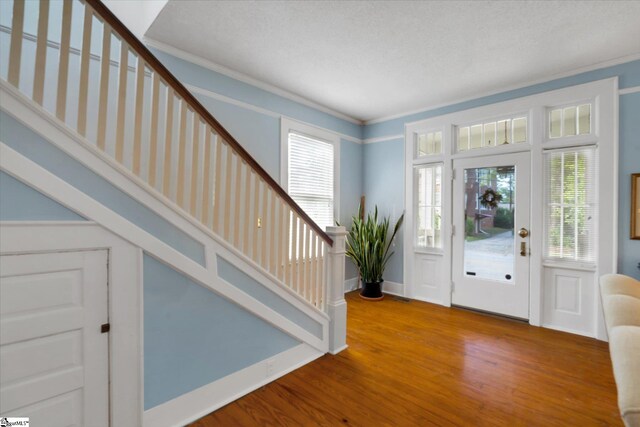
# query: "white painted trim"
{"type": "Point", "coordinates": [604, 94]}
{"type": "Point", "coordinates": [125, 300]}
{"type": "Point", "coordinates": [215, 95]}
{"type": "Point", "coordinates": [351, 284]}
{"type": "Point", "coordinates": [575, 71]}
{"type": "Point", "coordinates": [50, 185]}
{"type": "Point", "coordinates": [339, 349]}
{"type": "Point", "coordinates": [393, 288]}
{"type": "Point", "coordinates": [198, 60]}
{"type": "Point", "coordinates": [47, 223]}
{"type": "Point", "coordinates": [432, 301]}
{"type": "Point", "coordinates": [286, 125]}
{"type": "Point", "coordinates": [382, 139]}
{"type": "Point", "coordinates": [204, 400]}
{"type": "Point", "coordinates": [629, 90]}
{"type": "Point", "coordinates": [260, 110]}
{"type": "Point", "coordinates": [571, 331]}
{"type": "Point", "coordinates": [32, 116]}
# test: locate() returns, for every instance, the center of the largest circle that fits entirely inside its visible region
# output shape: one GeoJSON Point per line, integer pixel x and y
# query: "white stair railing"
{"type": "Point", "coordinates": [84, 67]}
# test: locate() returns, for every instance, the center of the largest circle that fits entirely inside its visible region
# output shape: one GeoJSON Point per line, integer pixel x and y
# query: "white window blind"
{"type": "Point", "coordinates": [429, 206]}
{"type": "Point", "coordinates": [570, 198]}
{"type": "Point", "coordinates": [311, 177]}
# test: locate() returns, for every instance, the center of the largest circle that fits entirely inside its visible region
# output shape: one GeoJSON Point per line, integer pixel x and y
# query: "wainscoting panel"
{"type": "Point", "coordinates": [570, 300]}
{"type": "Point", "coordinates": [428, 278]}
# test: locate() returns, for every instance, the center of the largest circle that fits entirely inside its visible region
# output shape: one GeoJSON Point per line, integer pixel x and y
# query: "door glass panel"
{"type": "Point", "coordinates": [489, 229]}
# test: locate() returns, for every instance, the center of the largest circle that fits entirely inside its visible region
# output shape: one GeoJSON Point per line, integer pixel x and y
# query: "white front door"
{"type": "Point", "coordinates": [491, 198]}
{"type": "Point", "coordinates": [54, 358]}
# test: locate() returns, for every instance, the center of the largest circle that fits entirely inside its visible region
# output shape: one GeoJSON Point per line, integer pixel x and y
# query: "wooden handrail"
{"type": "Point", "coordinates": [186, 95]}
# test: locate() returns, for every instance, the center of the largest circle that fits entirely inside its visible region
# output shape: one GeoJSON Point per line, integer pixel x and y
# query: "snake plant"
{"type": "Point", "coordinates": [368, 244]}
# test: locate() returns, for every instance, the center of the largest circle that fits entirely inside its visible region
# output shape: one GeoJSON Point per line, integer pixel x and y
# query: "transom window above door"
{"type": "Point", "coordinates": [569, 121]}
{"type": "Point", "coordinates": [492, 134]}
{"type": "Point", "coordinates": [428, 143]}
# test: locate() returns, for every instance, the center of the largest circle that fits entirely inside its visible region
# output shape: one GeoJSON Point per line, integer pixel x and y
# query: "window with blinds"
{"type": "Point", "coordinates": [311, 177]}
{"type": "Point", "coordinates": [428, 206]}
{"type": "Point", "coordinates": [570, 198]}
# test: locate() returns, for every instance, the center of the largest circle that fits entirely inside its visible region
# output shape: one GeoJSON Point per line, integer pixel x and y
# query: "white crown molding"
{"type": "Point", "coordinates": [198, 60]}
{"type": "Point", "coordinates": [210, 94]}
{"type": "Point", "coordinates": [575, 71]}
{"type": "Point", "coordinates": [629, 90]}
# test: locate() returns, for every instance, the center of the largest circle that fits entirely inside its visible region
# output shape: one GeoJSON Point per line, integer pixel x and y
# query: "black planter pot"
{"type": "Point", "coordinates": [372, 291]}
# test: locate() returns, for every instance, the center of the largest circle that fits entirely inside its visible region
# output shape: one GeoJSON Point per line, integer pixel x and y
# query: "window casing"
{"type": "Point", "coordinates": [310, 169]}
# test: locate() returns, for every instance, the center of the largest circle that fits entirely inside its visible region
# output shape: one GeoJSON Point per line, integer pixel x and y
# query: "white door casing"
{"type": "Point", "coordinates": [55, 360]}
{"type": "Point", "coordinates": [563, 293]}
{"type": "Point", "coordinates": [495, 294]}
{"type": "Point", "coordinates": [124, 300]}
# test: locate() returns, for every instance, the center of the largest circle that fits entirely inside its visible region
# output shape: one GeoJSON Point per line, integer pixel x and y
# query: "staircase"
{"type": "Point", "coordinates": [121, 105]}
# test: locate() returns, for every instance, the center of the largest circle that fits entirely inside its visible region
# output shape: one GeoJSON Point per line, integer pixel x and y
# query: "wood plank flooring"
{"type": "Point", "coordinates": [419, 364]}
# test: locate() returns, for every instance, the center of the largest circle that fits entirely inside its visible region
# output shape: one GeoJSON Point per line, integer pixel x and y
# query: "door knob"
{"type": "Point", "coordinates": [523, 232]}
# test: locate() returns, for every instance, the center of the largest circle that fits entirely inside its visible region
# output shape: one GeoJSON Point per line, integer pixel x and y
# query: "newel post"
{"type": "Point", "coordinates": [336, 304]}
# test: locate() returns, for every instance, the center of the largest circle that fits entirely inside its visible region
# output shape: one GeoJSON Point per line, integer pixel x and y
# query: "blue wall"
{"type": "Point", "coordinates": [247, 284]}
{"type": "Point", "coordinates": [188, 341]}
{"type": "Point", "coordinates": [387, 188]}
{"type": "Point", "coordinates": [19, 202]}
{"type": "Point", "coordinates": [628, 250]}
{"type": "Point", "coordinates": [384, 187]}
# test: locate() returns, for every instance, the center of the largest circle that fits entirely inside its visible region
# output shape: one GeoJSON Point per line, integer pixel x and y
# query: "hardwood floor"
{"type": "Point", "coordinates": [418, 364]}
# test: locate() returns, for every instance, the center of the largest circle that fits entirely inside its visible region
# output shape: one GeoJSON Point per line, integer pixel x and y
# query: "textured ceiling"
{"type": "Point", "coordinates": [374, 59]}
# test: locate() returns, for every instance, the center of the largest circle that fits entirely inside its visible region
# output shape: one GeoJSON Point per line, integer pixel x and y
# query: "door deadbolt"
{"type": "Point", "coordinates": [523, 232]}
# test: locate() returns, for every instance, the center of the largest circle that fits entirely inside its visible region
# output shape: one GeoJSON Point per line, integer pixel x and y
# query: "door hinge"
{"type": "Point", "coordinates": [105, 328]}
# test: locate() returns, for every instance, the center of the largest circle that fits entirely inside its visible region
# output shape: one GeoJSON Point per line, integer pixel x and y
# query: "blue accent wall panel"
{"type": "Point", "coordinates": [351, 189]}
{"type": "Point", "coordinates": [258, 133]}
{"type": "Point", "coordinates": [39, 150]}
{"type": "Point", "coordinates": [628, 250]}
{"type": "Point", "coordinates": [247, 284]}
{"type": "Point", "coordinates": [193, 337]}
{"type": "Point", "coordinates": [384, 187]}
{"type": "Point", "coordinates": [19, 202]}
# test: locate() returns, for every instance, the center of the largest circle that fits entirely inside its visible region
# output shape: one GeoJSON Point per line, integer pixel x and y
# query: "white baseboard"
{"type": "Point", "coordinates": [351, 284]}
{"type": "Point", "coordinates": [393, 288]}
{"type": "Point", "coordinates": [206, 399]}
